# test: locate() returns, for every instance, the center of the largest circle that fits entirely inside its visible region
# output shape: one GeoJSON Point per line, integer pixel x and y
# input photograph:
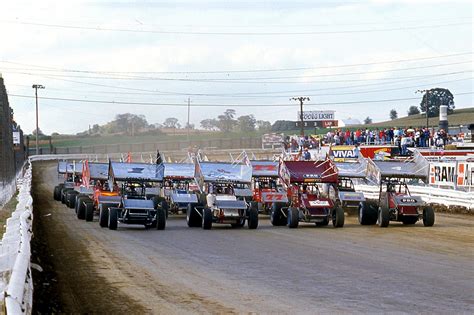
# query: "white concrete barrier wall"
{"type": "Point", "coordinates": [16, 283]}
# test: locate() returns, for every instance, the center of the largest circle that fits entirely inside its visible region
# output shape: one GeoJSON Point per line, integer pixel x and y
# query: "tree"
{"type": "Point", "coordinates": [209, 124]}
{"type": "Point", "coordinates": [367, 120]}
{"type": "Point", "coordinates": [189, 126]}
{"type": "Point", "coordinates": [40, 133]}
{"type": "Point", "coordinates": [437, 97]}
{"type": "Point", "coordinates": [413, 110]}
{"type": "Point", "coordinates": [393, 114]}
{"type": "Point", "coordinates": [246, 123]}
{"type": "Point", "coordinates": [171, 122]}
{"type": "Point", "coordinates": [263, 125]}
{"type": "Point", "coordinates": [226, 121]}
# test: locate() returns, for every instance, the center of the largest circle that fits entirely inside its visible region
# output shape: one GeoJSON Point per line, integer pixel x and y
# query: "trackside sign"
{"type": "Point", "coordinates": [317, 115]}
{"type": "Point", "coordinates": [458, 173]}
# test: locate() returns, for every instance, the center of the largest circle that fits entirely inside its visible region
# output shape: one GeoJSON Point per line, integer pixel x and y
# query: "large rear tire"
{"type": "Point", "coordinates": [193, 219]}
{"type": "Point", "coordinates": [207, 219]}
{"type": "Point", "coordinates": [71, 198]}
{"type": "Point", "coordinates": [160, 219]}
{"type": "Point", "coordinates": [428, 216]}
{"type": "Point", "coordinates": [293, 217]}
{"type": "Point", "coordinates": [57, 193]}
{"type": "Point", "coordinates": [113, 219]}
{"type": "Point", "coordinates": [367, 214]}
{"type": "Point", "coordinates": [384, 217]}
{"type": "Point", "coordinates": [276, 216]}
{"type": "Point", "coordinates": [253, 216]}
{"type": "Point", "coordinates": [89, 211]}
{"type": "Point", "coordinates": [103, 215]}
{"type": "Point", "coordinates": [81, 209]}
{"type": "Point", "coordinates": [63, 194]}
{"type": "Point", "coordinates": [338, 217]}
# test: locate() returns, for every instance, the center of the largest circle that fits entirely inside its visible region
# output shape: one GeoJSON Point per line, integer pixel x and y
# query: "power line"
{"type": "Point", "coordinates": [241, 94]}
{"type": "Point", "coordinates": [108, 29]}
{"type": "Point", "coordinates": [218, 105]}
{"type": "Point", "coordinates": [48, 68]}
{"type": "Point", "coordinates": [269, 95]}
{"type": "Point", "coordinates": [237, 80]}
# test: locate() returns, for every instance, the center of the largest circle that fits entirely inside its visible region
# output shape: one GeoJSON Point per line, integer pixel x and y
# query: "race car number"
{"type": "Point", "coordinates": [319, 203]}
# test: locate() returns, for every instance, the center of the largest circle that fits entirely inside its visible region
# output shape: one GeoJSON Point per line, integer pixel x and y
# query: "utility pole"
{"type": "Point", "coordinates": [301, 99]}
{"type": "Point", "coordinates": [36, 87]}
{"type": "Point", "coordinates": [189, 111]}
{"type": "Point", "coordinates": [426, 105]}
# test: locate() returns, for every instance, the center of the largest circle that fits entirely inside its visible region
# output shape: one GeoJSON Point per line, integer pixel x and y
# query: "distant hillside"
{"type": "Point", "coordinates": [458, 117]}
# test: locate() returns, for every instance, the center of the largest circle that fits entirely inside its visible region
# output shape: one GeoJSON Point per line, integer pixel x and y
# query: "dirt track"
{"type": "Point", "coordinates": [268, 270]}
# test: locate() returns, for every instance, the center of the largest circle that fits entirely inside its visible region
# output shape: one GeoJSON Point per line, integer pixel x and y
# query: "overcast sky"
{"type": "Point", "coordinates": [359, 58]}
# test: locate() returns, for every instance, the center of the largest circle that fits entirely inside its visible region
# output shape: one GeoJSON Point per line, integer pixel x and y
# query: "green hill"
{"type": "Point", "coordinates": [462, 116]}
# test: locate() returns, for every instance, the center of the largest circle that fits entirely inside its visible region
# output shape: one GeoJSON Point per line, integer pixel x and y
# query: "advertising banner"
{"type": "Point", "coordinates": [317, 115]}
{"type": "Point", "coordinates": [443, 173]}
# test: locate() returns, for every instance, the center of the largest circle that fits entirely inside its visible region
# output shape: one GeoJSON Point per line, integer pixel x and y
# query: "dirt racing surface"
{"type": "Point", "coordinates": [88, 269]}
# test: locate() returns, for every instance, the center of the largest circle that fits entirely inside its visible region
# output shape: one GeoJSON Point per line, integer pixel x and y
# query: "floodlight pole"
{"type": "Point", "coordinates": [36, 87]}
{"type": "Point", "coordinates": [301, 99]}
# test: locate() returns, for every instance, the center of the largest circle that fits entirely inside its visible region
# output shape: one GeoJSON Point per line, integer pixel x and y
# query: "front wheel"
{"type": "Point", "coordinates": [207, 219]}
{"type": "Point", "coordinates": [160, 219]}
{"type": "Point", "coordinates": [103, 215]}
{"type": "Point", "coordinates": [293, 218]}
{"type": "Point", "coordinates": [428, 216]}
{"type": "Point", "coordinates": [338, 217]}
{"type": "Point", "coordinates": [113, 218]}
{"type": "Point", "coordinates": [89, 211]}
{"type": "Point", "coordinates": [384, 217]}
{"type": "Point", "coordinates": [253, 217]}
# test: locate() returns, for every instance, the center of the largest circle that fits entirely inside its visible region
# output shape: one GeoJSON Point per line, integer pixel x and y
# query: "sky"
{"type": "Point", "coordinates": [97, 59]}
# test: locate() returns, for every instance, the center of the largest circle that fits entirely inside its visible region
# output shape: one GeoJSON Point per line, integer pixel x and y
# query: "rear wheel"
{"type": "Point", "coordinates": [367, 214]}
{"type": "Point", "coordinates": [103, 215]}
{"type": "Point", "coordinates": [207, 219]}
{"type": "Point", "coordinates": [293, 218]}
{"type": "Point", "coordinates": [160, 219]}
{"type": "Point", "coordinates": [253, 216]}
{"type": "Point", "coordinates": [193, 219]}
{"type": "Point", "coordinates": [89, 211]}
{"type": "Point", "coordinates": [338, 217]}
{"type": "Point", "coordinates": [276, 216]}
{"type": "Point", "coordinates": [384, 217]}
{"type": "Point", "coordinates": [113, 218]}
{"type": "Point", "coordinates": [428, 216]}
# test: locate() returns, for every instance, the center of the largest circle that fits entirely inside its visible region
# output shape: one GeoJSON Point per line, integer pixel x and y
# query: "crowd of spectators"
{"type": "Point", "coordinates": [403, 138]}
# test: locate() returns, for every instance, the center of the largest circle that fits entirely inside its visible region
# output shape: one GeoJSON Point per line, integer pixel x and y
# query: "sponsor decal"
{"type": "Point", "coordinates": [319, 203]}
{"type": "Point", "coordinates": [311, 176]}
{"type": "Point", "coordinates": [408, 200]}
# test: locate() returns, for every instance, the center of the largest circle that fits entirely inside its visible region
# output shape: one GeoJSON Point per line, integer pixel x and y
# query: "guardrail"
{"type": "Point", "coordinates": [447, 197]}
{"type": "Point", "coordinates": [15, 252]}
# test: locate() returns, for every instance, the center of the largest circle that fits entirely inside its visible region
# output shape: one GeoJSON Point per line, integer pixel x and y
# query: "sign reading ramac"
{"type": "Point", "coordinates": [317, 115]}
